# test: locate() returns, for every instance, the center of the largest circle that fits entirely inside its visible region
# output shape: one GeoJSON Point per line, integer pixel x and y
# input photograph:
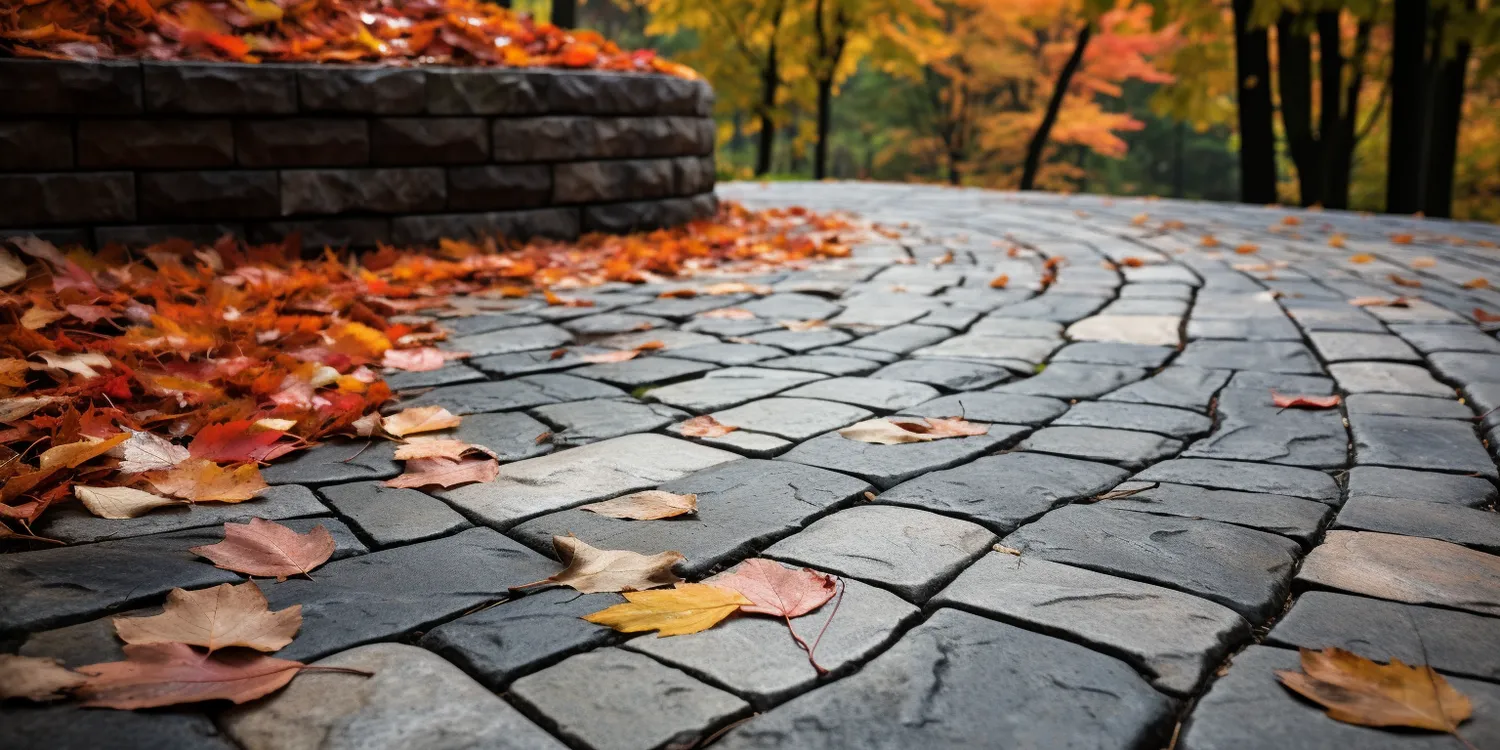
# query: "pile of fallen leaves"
{"type": "Point", "coordinates": [135, 381]}
{"type": "Point", "coordinates": [441, 32]}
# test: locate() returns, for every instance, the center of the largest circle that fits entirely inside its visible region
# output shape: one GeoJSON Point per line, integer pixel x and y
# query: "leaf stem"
{"type": "Point", "coordinates": [343, 670]}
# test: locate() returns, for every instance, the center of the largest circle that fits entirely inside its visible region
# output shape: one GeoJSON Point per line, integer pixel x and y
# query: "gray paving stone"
{"type": "Point", "coordinates": [1348, 347]}
{"type": "Point", "coordinates": [1156, 290]}
{"type": "Point", "coordinates": [583, 422]}
{"type": "Point", "coordinates": [953, 318]}
{"type": "Point", "coordinates": [1479, 529]}
{"type": "Point", "coordinates": [911, 552]}
{"type": "Point", "coordinates": [1002, 492]}
{"type": "Point", "coordinates": [991, 407]}
{"type": "Point", "coordinates": [1384, 377]}
{"type": "Point", "coordinates": [608, 323]}
{"type": "Point", "coordinates": [72, 727]}
{"type": "Point", "coordinates": [1252, 428]}
{"type": "Point", "coordinates": [752, 656]}
{"type": "Point", "coordinates": [1145, 307]}
{"type": "Point", "coordinates": [1245, 570]}
{"type": "Point", "coordinates": [1263, 356]}
{"type": "Point", "coordinates": [519, 393]}
{"type": "Point", "coordinates": [1253, 329]}
{"type": "Point", "coordinates": [1416, 311]}
{"type": "Point", "coordinates": [1465, 368]}
{"type": "Point", "coordinates": [855, 353]}
{"type": "Point", "coordinates": [450, 374]}
{"type": "Point", "coordinates": [1059, 308]}
{"type": "Point", "coordinates": [1173, 638]}
{"type": "Point", "coordinates": [793, 307]}
{"type": "Point", "coordinates": [902, 339]}
{"type": "Point", "coordinates": [1126, 448]}
{"type": "Point", "coordinates": [888, 465]}
{"type": "Point", "coordinates": [682, 308]}
{"type": "Point", "coordinates": [472, 324]}
{"type": "Point", "coordinates": [960, 680]}
{"type": "Point", "coordinates": [728, 327]}
{"type": "Point", "coordinates": [948, 374]}
{"type": "Point", "coordinates": [498, 644]}
{"type": "Point", "coordinates": [643, 371]}
{"type": "Point", "coordinates": [1246, 477]}
{"type": "Point", "coordinates": [1070, 380]}
{"type": "Point", "coordinates": [1431, 339]}
{"type": "Point", "coordinates": [800, 341]}
{"type": "Point", "coordinates": [670, 339]}
{"type": "Point", "coordinates": [1415, 443]}
{"type": "Point", "coordinates": [1333, 316]}
{"type": "Point", "coordinates": [823, 363]}
{"type": "Point", "coordinates": [389, 515]}
{"type": "Point", "coordinates": [999, 325]}
{"type": "Point", "coordinates": [339, 461]}
{"type": "Point", "coordinates": [1138, 330]}
{"type": "Point", "coordinates": [522, 363]}
{"type": "Point", "coordinates": [1178, 423]}
{"type": "Point", "coordinates": [1248, 708]}
{"type": "Point", "coordinates": [620, 700]}
{"type": "Point", "coordinates": [870, 393]}
{"type": "Point", "coordinates": [1293, 517]}
{"type": "Point", "coordinates": [1449, 641]}
{"type": "Point", "coordinates": [1311, 385]}
{"type": "Point", "coordinates": [1423, 486]}
{"type": "Point", "coordinates": [1405, 569]}
{"type": "Point", "coordinates": [982, 347]}
{"type": "Point", "coordinates": [512, 436]}
{"type": "Point", "coordinates": [412, 699]}
{"type": "Point", "coordinates": [728, 354]}
{"type": "Point", "coordinates": [748, 444]}
{"type": "Point", "coordinates": [731, 386]}
{"type": "Point", "coordinates": [1182, 387]}
{"type": "Point", "coordinates": [579, 475]}
{"type": "Point", "coordinates": [73, 524]}
{"type": "Point", "coordinates": [510, 340]}
{"type": "Point", "coordinates": [742, 507]}
{"type": "Point", "coordinates": [386, 594]}
{"type": "Point", "coordinates": [795, 419]}
{"type": "Point", "coordinates": [1109, 353]}
{"type": "Point", "coordinates": [1406, 406]}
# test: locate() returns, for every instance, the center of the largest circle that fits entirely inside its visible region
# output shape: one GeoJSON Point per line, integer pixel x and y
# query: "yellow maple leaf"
{"type": "Point", "coordinates": [199, 480]}
{"type": "Point", "coordinates": [688, 608]}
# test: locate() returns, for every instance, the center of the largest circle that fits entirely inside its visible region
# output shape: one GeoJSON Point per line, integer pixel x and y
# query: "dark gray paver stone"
{"type": "Point", "coordinates": [512, 436]}
{"type": "Point", "coordinates": [801, 341]}
{"type": "Point", "coordinates": [1311, 385]}
{"type": "Point", "coordinates": [1183, 387]}
{"type": "Point", "coordinates": [991, 407]}
{"type": "Point", "coordinates": [984, 347]}
{"type": "Point", "coordinates": [948, 374]}
{"type": "Point", "coordinates": [579, 475]}
{"type": "Point", "coordinates": [1293, 517]}
{"type": "Point", "coordinates": [633, 373]}
{"type": "Point", "coordinates": [888, 465]}
{"type": "Point", "coordinates": [1110, 353]}
{"type": "Point", "coordinates": [1479, 529]}
{"type": "Point", "coordinates": [682, 308]}
{"type": "Point", "coordinates": [753, 657]}
{"type": "Point", "coordinates": [475, 324]}
{"type": "Point", "coordinates": [71, 523]}
{"type": "Point", "coordinates": [1264, 356]}
{"type": "Point", "coordinates": [1163, 420]}
{"type": "Point", "coordinates": [613, 322]}
{"type": "Point", "coordinates": [1252, 428]}
{"type": "Point", "coordinates": [748, 444]}
{"type": "Point", "coordinates": [1465, 368]}
{"type": "Point", "coordinates": [824, 363]}
{"type": "Point", "coordinates": [1453, 642]}
{"type": "Point", "coordinates": [902, 339]}
{"type": "Point", "coordinates": [792, 418]}
{"type": "Point", "coordinates": [1387, 377]}
{"type": "Point", "coordinates": [742, 506]}
{"type": "Point", "coordinates": [1425, 486]}
{"type": "Point", "coordinates": [1430, 339]}
{"type": "Point", "coordinates": [71, 727]}
{"type": "Point", "coordinates": [1249, 708]}
{"type": "Point", "coordinates": [849, 351]}
{"type": "Point", "coordinates": [583, 422]}
{"type": "Point", "coordinates": [1174, 638]}
{"type": "Point", "coordinates": [792, 306]}
{"type": "Point", "coordinates": [411, 699]}
{"type": "Point", "coordinates": [1416, 443]}
{"type": "Point", "coordinates": [1005, 491]}
{"type": "Point", "coordinates": [1127, 448]}
{"type": "Point", "coordinates": [1061, 308]}
{"type": "Point", "coordinates": [1246, 477]}
{"type": "Point", "coordinates": [519, 393]}
{"type": "Point", "coordinates": [911, 552]}
{"type": "Point", "coordinates": [1406, 569]}
{"type": "Point", "coordinates": [621, 700]}
{"type": "Point", "coordinates": [498, 644]}
{"type": "Point", "coordinates": [960, 680]}
{"type": "Point", "coordinates": [385, 594]}
{"type": "Point", "coordinates": [507, 340]}
{"type": "Point", "coordinates": [728, 354]}
{"type": "Point", "coordinates": [1406, 406]}
{"type": "Point", "coordinates": [391, 515]}
{"type": "Point", "coordinates": [1338, 346]}
{"type": "Point", "coordinates": [728, 387]}
{"type": "Point", "coordinates": [342, 461]}
{"type": "Point", "coordinates": [1074, 380]}
{"type": "Point", "coordinates": [451, 374]}
{"type": "Point", "coordinates": [870, 393]}
{"type": "Point", "coordinates": [1245, 570]}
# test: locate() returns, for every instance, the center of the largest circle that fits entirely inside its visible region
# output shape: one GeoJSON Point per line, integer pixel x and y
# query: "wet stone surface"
{"type": "Point", "coordinates": [1161, 504]}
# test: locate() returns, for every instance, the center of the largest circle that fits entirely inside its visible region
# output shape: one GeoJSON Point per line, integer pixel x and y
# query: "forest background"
{"type": "Point", "coordinates": [1377, 105]}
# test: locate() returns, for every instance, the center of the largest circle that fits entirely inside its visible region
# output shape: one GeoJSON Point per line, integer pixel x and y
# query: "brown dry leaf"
{"type": "Point", "coordinates": [1380, 302]}
{"type": "Point", "coordinates": [35, 679]}
{"type": "Point", "coordinates": [1479, 283]}
{"type": "Point", "coordinates": [78, 364]}
{"type": "Point", "coordinates": [614, 356]}
{"type": "Point", "coordinates": [706, 426]}
{"type": "Point", "coordinates": [436, 448]}
{"type": "Point", "coordinates": [12, 269]}
{"type": "Point", "coordinates": [688, 608]}
{"type": "Point", "coordinates": [1355, 690]}
{"type": "Point", "coordinates": [73, 455]}
{"type": "Point", "coordinates": [266, 548]}
{"type": "Point", "coordinates": [590, 570]}
{"type": "Point", "coordinates": [1484, 316]}
{"type": "Point", "coordinates": [1336, 240]}
{"type": "Point", "coordinates": [120, 502]}
{"type": "Point", "coordinates": [652, 345]}
{"type": "Point", "coordinates": [201, 480]}
{"type": "Point", "coordinates": [728, 313]}
{"type": "Point", "coordinates": [1400, 280]}
{"type": "Point", "coordinates": [1247, 249]}
{"type": "Point", "coordinates": [777, 590]}
{"type": "Point", "coordinates": [1140, 220]}
{"type": "Point", "coordinates": [225, 615]}
{"type": "Point", "coordinates": [421, 359]}
{"type": "Point", "coordinates": [735, 287]}
{"type": "Point", "coordinates": [887, 431]}
{"type": "Point", "coordinates": [419, 419]}
{"type": "Point", "coordinates": [1000, 282]}
{"type": "Point", "coordinates": [1284, 401]}
{"type": "Point", "coordinates": [1361, 258]}
{"type": "Point", "coordinates": [144, 451]}
{"type": "Point", "coordinates": [166, 674]}
{"type": "Point", "coordinates": [1402, 239]}
{"type": "Point", "coordinates": [649, 505]}
{"type": "Point", "coordinates": [1290, 221]}
{"type": "Point", "coordinates": [802, 325]}
{"type": "Point", "coordinates": [38, 317]}
{"type": "Point", "coordinates": [943, 260]}
{"type": "Point", "coordinates": [1208, 240]}
{"type": "Point", "coordinates": [445, 472]}
{"type": "Point", "coordinates": [1423, 262]}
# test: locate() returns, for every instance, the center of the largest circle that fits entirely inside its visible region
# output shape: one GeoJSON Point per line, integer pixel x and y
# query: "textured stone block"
{"type": "Point", "coordinates": [155, 144]}
{"type": "Point", "coordinates": [544, 139]}
{"type": "Point", "coordinates": [35, 145]}
{"type": "Point", "coordinates": [303, 142]}
{"type": "Point", "coordinates": [569, 138]}
{"type": "Point", "coordinates": [54, 87]}
{"type": "Point", "coordinates": [146, 235]}
{"type": "Point", "coordinates": [239, 194]}
{"type": "Point", "coordinates": [336, 191]}
{"type": "Point", "coordinates": [621, 94]}
{"type": "Point", "coordinates": [219, 88]}
{"type": "Point", "coordinates": [693, 174]}
{"type": "Point", "coordinates": [66, 198]}
{"type": "Point", "coordinates": [478, 91]}
{"type": "Point", "coordinates": [596, 181]}
{"type": "Point", "coordinates": [619, 218]}
{"type": "Point", "coordinates": [386, 91]}
{"type": "Point", "coordinates": [557, 223]}
{"type": "Point", "coordinates": [429, 140]}
{"type": "Point", "coordinates": [493, 187]}
{"type": "Point", "coordinates": [322, 233]}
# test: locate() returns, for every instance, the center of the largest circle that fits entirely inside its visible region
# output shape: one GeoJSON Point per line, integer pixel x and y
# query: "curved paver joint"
{"type": "Point", "coordinates": [1142, 529]}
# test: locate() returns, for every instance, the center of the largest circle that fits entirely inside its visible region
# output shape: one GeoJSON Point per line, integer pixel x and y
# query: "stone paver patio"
{"type": "Point", "coordinates": [1140, 621]}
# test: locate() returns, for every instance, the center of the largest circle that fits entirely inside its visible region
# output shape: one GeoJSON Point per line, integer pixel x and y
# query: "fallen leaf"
{"type": "Point", "coordinates": [73, 455]}
{"type": "Point", "coordinates": [888, 431]}
{"type": "Point", "coordinates": [1284, 401]}
{"type": "Point", "coordinates": [1336, 240]}
{"type": "Point", "coordinates": [35, 679]}
{"type": "Point", "coordinates": [777, 590]}
{"type": "Point", "coordinates": [1399, 280]}
{"type": "Point", "coordinates": [1479, 283]}
{"type": "Point", "coordinates": [79, 364]}
{"type": "Point", "coordinates": [650, 346]}
{"type": "Point", "coordinates": [687, 608]}
{"type": "Point", "coordinates": [1484, 316]}
{"type": "Point", "coordinates": [445, 472]}
{"type": "Point", "coordinates": [1012, 551]}
{"type": "Point", "coordinates": [1423, 262]}
{"type": "Point", "coordinates": [120, 502]}
{"type": "Point", "coordinates": [219, 617]}
{"type": "Point", "coordinates": [802, 325]}
{"type": "Point", "coordinates": [420, 359]}
{"type": "Point", "coordinates": [268, 549]}
{"type": "Point", "coordinates": [1402, 239]}
{"type": "Point", "coordinates": [1208, 240]}
{"type": "Point", "coordinates": [590, 570]}
{"type": "Point", "coordinates": [200, 480]}
{"type": "Point", "coordinates": [1000, 282]}
{"type": "Point", "coordinates": [943, 259]}
{"type": "Point", "coordinates": [435, 448]}
{"type": "Point", "coordinates": [144, 451]}
{"type": "Point", "coordinates": [166, 674]}
{"type": "Point", "coordinates": [728, 313]}
{"type": "Point", "coordinates": [1381, 302]}
{"type": "Point", "coordinates": [1355, 690]}
{"type": "Point", "coordinates": [12, 269]}
{"type": "Point", "coordinates": [237, 442]}
{"type": "Point", "coordinates": [614, 356]}
{"type": "Point", "coordinates": [38, 317]}
{"type": "Point", "coordinates": [419, 419]}
{"type": "Point", "coordinates": [1247, 249]}
{"type": "Point", "coordinates": [1290, 221]}
{"type": "Point", "coordinates": [683, 293]}
{"type": "Point", "coordinates": [1362, 258]}
{"type": "Point", "coordinates": [705, 426]}
{"type": "Point", "coordinates": [649, 505]}
{"type": "Point", "coordinates": [1140, 220]}
{"type": "Point", "coordinates": [735, 287]}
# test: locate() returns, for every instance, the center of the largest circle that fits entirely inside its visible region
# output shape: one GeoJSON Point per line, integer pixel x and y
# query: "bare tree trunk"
{"type": "Point", "coordinates": [1339, 145]}
{"type": "Point", "coordinates": [1447, 113]}
{"type": "Point", "coordinates": [770, 80]}
{"type": "Point", "coordinates": [1253, 82]}
{"type": "Point", "coordinates": [1403, 189]}
{"type": "Point", "coordinates": [1294, 81]}
{"type": "Point", "coordinates": [1039, 138]}
{"type": "Point", "coordinates": [565, 13]}
{"type": "Point", "coordinates": [830, 54]}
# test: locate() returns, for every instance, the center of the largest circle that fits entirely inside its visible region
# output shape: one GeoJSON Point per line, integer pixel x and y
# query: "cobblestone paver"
{"type": "Point", "coordinates": [1179, 536]}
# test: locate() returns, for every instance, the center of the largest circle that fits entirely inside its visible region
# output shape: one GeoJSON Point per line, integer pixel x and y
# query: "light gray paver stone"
{"type": "Point", "coordinates": [984, 347]}
{"type": "Point", "coordinates": [508, 340]}
{"type": "Point", "coordinates": [1005, 491]}
{"type": "Point", "coordinates": [583, 422]}
{"type": "Point", "coordinates": [1127, 448]}
{"type": "Point", "coordinates": [1264, 356]}
{"type": "Point", "coordinates": [519, 393]}
{"type": "Point", "coordinates": [1406, 406]}
{"type": "Point", "coordinates": [887, 465]}
{"type": "Point", "coordinates": [1415, 443]}
{"type": "Point", "coordinates": [949, 374]}
{"type": "Point", "coordinates": [1425, 486]}
{"type": "Point", "coordinates": [1070, 380]}
{"type": "Point", "coordinates": [633, 373]}
{"type": "Point", "coordinates": [1163, 420]}
{"type": "Point", "coordinates": [728, 387]}
{"type": "Point", "coordinates": [870, 393]}
{"type": "Point", "coordinates": [1246, 477]}
{"type": "Point", "coordinates": [791, 418]}
{"type": "Point", "coordinates": [1387, 377]}
{"type": "Point", "coordinates": [827, 364]}
{"type": "Point", "coordinates": [1010, 408]}
{"type": "Point", "coordinates": [1293, 517]}
{"type": "Point", "coordinates": [1182, 387]}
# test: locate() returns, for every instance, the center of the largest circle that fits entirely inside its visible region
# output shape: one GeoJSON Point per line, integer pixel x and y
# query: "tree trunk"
{"type": "Point", "coordinates": [1252, 63]}
{"type": "Point", "coordinates": [1403, 188]}
{"type": "Point", "coordinates": [1294, 81]}
{"type": "Point", "coordinates": [769, 81]}
{"type": "Point", "coordinates": [825, 124]}
{"type": "Point", "coordinates": [954, 178]}
{"type": "Point", "coordinates": [1039, 138]}
{"type": "Point", "coordinates": [1446, 116]}
{"type": "Point", "coordinates": [1339, 145]}
{"type": "Point", "coordinates": [565, 13]}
